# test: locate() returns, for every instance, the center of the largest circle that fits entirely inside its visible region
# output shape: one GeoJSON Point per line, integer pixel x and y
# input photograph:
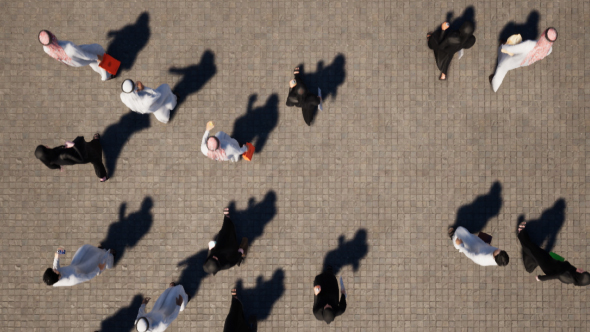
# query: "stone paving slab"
{"type": "Point", "coordinates": [395, 153]}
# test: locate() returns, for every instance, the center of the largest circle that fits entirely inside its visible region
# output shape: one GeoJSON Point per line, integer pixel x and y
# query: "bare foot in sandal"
{"type": "Point", "coordinates": [234, 293]}
{"type": "Point", "coordinates": [521, 226]}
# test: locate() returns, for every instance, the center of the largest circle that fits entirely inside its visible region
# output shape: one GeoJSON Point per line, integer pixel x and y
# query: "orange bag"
{"type": "Point", "coordinates": [110, 64]}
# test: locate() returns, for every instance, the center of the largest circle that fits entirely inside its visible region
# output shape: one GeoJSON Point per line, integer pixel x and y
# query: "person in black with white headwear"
{"type": "Point", "coordinates": [236, 320]}
{"type": "Point", "coordinates": [445, 43]}
{"type": "Point", "coordinates": [299, 96]}
{"type": "Point", "coordinates": [225, 252]}
{"type": "Point", "coordinates": [77, 152]}
{"type": "Point", "coordinates": [325, 301]}
{"type": "Point", "coordinates": [533, 256]}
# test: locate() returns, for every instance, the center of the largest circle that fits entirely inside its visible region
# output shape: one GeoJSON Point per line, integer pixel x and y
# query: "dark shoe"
{"type": "Point", "coordinates": [451, 232]}
{"type": "Point", "coordinates": [244, 246]}
{"type": "Point", "coordinates": [96, 136]}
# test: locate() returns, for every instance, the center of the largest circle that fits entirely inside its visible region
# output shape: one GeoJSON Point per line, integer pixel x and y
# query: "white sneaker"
{"type": "Point", "coordinates": [320, 106]}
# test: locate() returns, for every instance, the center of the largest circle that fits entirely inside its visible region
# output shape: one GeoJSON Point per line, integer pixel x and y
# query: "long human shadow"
{"type": "Point", "coordinates": [258, 122]}
{"type": "Point", "coordinates": [126, 233]}
{"type": "Point", "coordinates": [260, 299]}
{"type": "Point", "coordinates": [118, 134]}
{"type": "Point", "coordinates": [528, 30]}
{"type": "Point", "coordinates": [326, 78]}
{"type": "Point", "coordinates": [468, 15]}
{"type": "Point", "coordinates": [193, 274]}
{"type": "Point", "coordinates": [543, 231]}
{"type": "Point", "coordinates": [250, 222]}
{"type": "Point", "coordinates": [124, 319]}
{"type": "Point", "coordinates": [348, 253]}
{"type": "Point", "coordinates": [194, 77]}
{"type": "Point", "coordinates": [129, 41]}
{"type": "Point", "coordinates": [475, 215]}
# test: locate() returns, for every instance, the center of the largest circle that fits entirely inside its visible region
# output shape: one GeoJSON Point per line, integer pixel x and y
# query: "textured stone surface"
{"type": "Point", "coordinates": [395, 152]}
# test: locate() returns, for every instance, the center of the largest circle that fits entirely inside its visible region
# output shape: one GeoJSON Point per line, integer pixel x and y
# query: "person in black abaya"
{"type": "Point", "coordinates": [299, 96]}
{"type": "Point", "coordinates": [445, 43]}
{"type": "Point", "coordinates": [236, 320]}
{"type": "Point", "coordinates": [225, 252]}
{"type": "Point", "coordinates": [325, 301]}
{"type": "Point", "coordinates": [77, 152]}
{"type": "Point", "coordinates": [533, 256]}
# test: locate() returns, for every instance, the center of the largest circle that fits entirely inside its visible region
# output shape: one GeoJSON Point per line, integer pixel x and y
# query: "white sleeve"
{"type": "Point", "coordinates": [204, 149]}
{"type": "Point", "coordinates": [521, 48]}
{"type": "Point", "coordinates": [56, 263]}
{"type": "Point", "coordinates": [173, 315]}
{"type": "Point", "coordinates": [140, 313]}
{"type": "Point", "coordinates": [87, 52]}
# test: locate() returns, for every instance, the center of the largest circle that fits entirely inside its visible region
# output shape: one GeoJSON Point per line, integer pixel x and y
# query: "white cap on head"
{"type": "Point", "coordinates": [142, 325]}
{"type": "Point", "coordinates": [128, 86]}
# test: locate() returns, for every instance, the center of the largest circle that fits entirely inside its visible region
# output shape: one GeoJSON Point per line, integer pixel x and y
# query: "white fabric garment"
{"type": "Point", "coordinates": [165, 309]}
{"type": "Point", "coordinates": [84, 265]}
{"type": "Point", "coordinates": [159, 101]}
{"type": "Point", "coordinates": [474, 248]}
{"type": "Point", "coordinates": [232, 148]}
{"type": "Point", "coordinates": [84, 55]}
{"type": "Point", "coordinates": [507, 62]}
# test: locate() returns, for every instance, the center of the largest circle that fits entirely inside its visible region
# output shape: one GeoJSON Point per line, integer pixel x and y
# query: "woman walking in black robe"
{"type": "Point", "coordinates": [445, 43]}
{"type": "Point", "coordinates": [77, 152]}
{"type": "Point", "coordinates": [534, 256]}
{"type": "Point", "coordinates": [225, 252]}
{"type": "Point", "coordinates": [325, 301]}
{"type": "Point", "coordinates": [236, 320]}
{"type": "Point", "coordinates": [299, 96]}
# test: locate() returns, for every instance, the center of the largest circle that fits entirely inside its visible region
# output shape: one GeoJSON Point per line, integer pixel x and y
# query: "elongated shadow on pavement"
{"type": "Point", "coordinates": [544, 230]}
{"type": "Point", "coordinates": [468, 15]}
{"type": "Point", "coordinates": [124, 319]}
{"type": "Point", "coordinates": [256, 125]}
{"type": "Point", "coordinates": [250, 223]}
{"type": "Point", "coordinates": [129, 41]}
{"type": "Point", "coordinates": [328, 79]}
{"type": "Point", "coordinates": [193, 274]}
{"type": "Point", "coordinates": [528, 30]}
{"type": "Point", "coordinates": [475, 215]}
{"type": "Point", "coordinates": [348, 253]}
{"type": "Point", "coordinates": [126, 233]}
{"type": "Point", "coordinates": [118, 134]}
{"type": "Point", "coordinates": [260, 299]}
{"type": "Point", "coordinates": [194, 77]}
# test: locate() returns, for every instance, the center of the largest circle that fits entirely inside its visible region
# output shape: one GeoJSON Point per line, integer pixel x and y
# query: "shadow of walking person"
{"type": "Point", "coordinates": [260, 299]}
{"type": "Point", "coordinates": [257, 123]}
{"type": "Point", "coordinates": [475, 216]}
{"type": "Point", "coordinates": [126, 233]}
{"type": "Point", "coordinates": [468, 15]}
{"type": "Point", "coordinates": [529, 30]}
{"type": "Point", "coordinates": [250, 223]}
{"type": "Point", "coordinates": [193, 273]}
{"type": "Point", "coordinates": [124, 319]}
{"type": "Point", "coordinates": [129, 41]}
{"type": "Point", "coordinates": [328, 79]}
{"type": "Point", "coordinates": [193, 78]}
{"type": "Point", "coordinates": [543, 231]}
{"type": "Point", "coordinates": [348, 253]}
{"type": "Point", "coordinates": [118, 134]}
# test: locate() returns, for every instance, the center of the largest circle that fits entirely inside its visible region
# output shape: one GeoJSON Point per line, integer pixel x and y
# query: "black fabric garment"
{"type": "Point", "coordinates": [446, 43]}
{"type": "Point", "coordinates": [236, 321]}
{"type": "Point", "coordinates": [226, 249]}
{"type": "Point", "coordinates": [81, 153]}
{"type": "Point", "coordinates": [328, 295]}
{"type": "Point", "coordinates": [534, 256]}
{"type": "Point", "coordinates": [299, 96]}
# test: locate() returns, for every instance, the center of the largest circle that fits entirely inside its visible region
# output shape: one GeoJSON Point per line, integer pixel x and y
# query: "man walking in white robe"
{"type": "Point", "coordinates": [221, 147]}
{"type": "Point", "coordinates": [476, 249]}
{"type": "Point", "coordinates": [72, 54]}
{"type": "Point", "coordinates": [87, 263]}
{"type": "Point", "coordinates": [164, 312]}
{"type": "Point", "coordinates": [144, 100]}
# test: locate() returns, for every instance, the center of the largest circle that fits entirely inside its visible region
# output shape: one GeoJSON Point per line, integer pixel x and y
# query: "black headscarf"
{"type": "Point", "coordinates": [581, 279]}
{"type": "Point", "coordinates": [47, 156]}
{"type": "Point", "coordinates": [328, 315]}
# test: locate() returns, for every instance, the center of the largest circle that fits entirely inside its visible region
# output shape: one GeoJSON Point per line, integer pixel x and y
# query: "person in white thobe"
{"type": "Point", "coordinates": [477, 250]}
{"type": "Point", "coordinates": [87, 263]}
{"type": "Point", "coordinates": [72, 54]}
{"type": "Point", "coordinates": [521, 55]}
{"type": "Point", "coordinates": [144, 100]}
{"type": "Point", "coordinates": [222, 147]}
{"type": "Point", "coordinates": [164, 312]}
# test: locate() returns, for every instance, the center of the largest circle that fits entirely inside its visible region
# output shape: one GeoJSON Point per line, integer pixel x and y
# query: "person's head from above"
{"type": "Point", "coordinates": [501, 257]}
{"type": "Point", "coordinates": [467, 28]}
{"type": "Point", "coordinates": [212, 143]}
{"type": "Point", "coordinates": [128, 86]}
{"type": "Point", "coordinates": [51, 276]}
{"type": "Point", "coordinates": [551, 34]}
{"type": "Point", "coordinates": [42, 152]}
{"type": "Point", "coordinates": [328, 314]}
{"type": "Point", "coordinates": [211, 265]}
{"type": "Point", "coordinates": [142, 325]}
{"type": "Point", "coordinates": [581, 277]}
{"type": "Point", "coordinates": [45, 37]}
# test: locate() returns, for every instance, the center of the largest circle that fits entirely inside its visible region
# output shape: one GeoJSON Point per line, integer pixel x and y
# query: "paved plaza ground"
{"type": "Point", "coordinates": [393, 160]}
